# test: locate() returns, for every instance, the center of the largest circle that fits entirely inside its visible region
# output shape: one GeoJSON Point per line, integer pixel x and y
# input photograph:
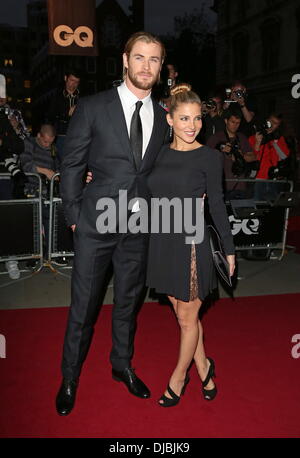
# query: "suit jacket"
{"type": "Point", "coordinates": [97, 140]}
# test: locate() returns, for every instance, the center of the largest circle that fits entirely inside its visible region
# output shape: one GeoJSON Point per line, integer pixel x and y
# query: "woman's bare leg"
{"type": "Point", "coordinates": [200, 359]}
{"type": "Point", "coordinates": [187, 315]}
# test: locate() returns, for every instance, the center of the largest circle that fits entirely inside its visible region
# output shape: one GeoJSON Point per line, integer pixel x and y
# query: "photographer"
{"type": "Point", "coordinates": [62, 107]}
{"type": "Point", "coordinates": [12, 133]}
{"type": "Point", "coordinates": [39, 156]}
{"type": "Point", "coordinates": [273, 154]}
{"type": "Point", "coordinates": [238, 101]}
{"type": "Point", "coordinates": [239, 158]}
{"type": "Point", "coordinates": [168, 79]}
{"type": "Point", "coordinates": [212, 119]}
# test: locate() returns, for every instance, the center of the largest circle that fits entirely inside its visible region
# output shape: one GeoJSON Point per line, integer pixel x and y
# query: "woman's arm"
{"type": "Point", "coordinates": [217, 207]}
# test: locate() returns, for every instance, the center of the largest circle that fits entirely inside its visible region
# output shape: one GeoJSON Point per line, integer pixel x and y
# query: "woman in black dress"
{"type": "Point", "coordinates": [185, 271]}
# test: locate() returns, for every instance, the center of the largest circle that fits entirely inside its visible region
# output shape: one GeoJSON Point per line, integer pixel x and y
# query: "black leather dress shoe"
{"type": "Point", "coordinates": [133, 383]}
{"type": "Point", "coordinates": [65, 398]}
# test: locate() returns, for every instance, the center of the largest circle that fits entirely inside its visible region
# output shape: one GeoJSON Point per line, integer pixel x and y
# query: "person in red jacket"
{"type": "Point", "coordinates": [269, 151]}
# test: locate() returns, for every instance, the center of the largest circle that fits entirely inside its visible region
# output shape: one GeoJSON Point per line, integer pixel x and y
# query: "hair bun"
{"type": "Point", "coordinates": [179, 88]}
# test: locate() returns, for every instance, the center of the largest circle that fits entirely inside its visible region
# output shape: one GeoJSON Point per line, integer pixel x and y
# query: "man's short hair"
{"type": "Point", "coordinates": [170, 62]}
{"type": "Point", "coordinates": [47, 129]}
{"type": "Point", "coordinates": [232, 112]}
{"type": "Point", "coordinates": [73, 71]}
{"type": "Point", "coordinates": [238, 83]}
{"type": "Point", "coordinates": [276, 115]}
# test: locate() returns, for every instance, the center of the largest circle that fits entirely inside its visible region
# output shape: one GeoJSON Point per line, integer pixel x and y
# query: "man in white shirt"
{"type": "Point", "coordinates": [117, 135]}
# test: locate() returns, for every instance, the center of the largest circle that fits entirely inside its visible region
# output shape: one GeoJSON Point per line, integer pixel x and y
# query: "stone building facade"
{"type": "Point", "coordinates": [258, 42]}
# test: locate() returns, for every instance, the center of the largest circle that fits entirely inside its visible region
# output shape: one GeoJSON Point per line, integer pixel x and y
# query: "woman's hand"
{"type": "Point", "coordinates": [89, 177]}
{"type": "Point", "coordinates": [231, 261]}
{"type": "Point", "coordinates": [258, 140]}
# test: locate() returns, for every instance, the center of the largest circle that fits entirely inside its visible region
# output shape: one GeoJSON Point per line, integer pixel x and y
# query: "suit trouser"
{"type": "Point", "coordinates": [93, 256]}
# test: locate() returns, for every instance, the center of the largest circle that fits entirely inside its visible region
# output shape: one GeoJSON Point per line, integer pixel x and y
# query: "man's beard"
{"type": "Point", "coordinates": [144, 85]}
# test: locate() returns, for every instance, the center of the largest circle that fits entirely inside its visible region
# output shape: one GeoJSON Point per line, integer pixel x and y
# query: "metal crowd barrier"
{"type": "Point", "coordinates": [21, 227]}
{"type": "Point", "coordinates": [264, 230]}
{"type": "Point", "coordinates": [265, 226]}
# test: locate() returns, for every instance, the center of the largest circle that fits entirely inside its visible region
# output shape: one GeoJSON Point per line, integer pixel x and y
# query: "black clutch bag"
{"type": "Point", "coordinates": [219, 257]}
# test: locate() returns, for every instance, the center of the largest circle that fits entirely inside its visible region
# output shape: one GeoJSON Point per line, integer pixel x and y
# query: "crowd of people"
{"type": "Point", "coordinates": [148, 148]}
{"type": "Point", "coordinates": [252, 147]}
{"type": "Point", "coordinates": [22, 153]}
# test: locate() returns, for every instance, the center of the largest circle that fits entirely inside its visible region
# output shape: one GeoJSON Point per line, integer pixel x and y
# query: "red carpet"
{"type": "Point", "coordinates": [250, 340]}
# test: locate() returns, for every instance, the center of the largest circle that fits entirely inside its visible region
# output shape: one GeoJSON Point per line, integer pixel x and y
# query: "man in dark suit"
{"type": "Point", "coordinates": [117, 135]}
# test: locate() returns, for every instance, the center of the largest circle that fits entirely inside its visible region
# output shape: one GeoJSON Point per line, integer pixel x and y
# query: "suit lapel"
{"type": "Point", "coordinates": [118, 123]}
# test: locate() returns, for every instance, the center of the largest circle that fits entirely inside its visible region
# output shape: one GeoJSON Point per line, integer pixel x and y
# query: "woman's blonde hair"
{"type": "Point", "coordinates": [182, 93]}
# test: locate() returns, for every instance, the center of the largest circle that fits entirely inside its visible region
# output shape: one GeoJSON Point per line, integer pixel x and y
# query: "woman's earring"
{"type": "Point", "coordinates": [171, 131]}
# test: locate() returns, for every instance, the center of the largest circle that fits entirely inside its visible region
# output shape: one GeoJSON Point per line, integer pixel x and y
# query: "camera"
{"type": "Point", "coordinates": [4, 110]}
{"type": "Point", "coordinates": [209, 104]}
{"type": "Point", "coordinates": [239, 164]}
{"type": "Point", "coordinates": [9, 112]}
{"type": "Point", "coordinates": [235, 149]}
{"type": "Point", "coordinates": [240, 93]}
{"type": "Point", "coordinates": [263, 127]}
{"type": "Point", "coordinates": [228, 94]}
{"type": "Point", "coordinates": [282, 170]}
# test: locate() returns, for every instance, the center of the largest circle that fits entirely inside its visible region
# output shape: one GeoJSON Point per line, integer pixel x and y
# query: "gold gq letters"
{"type": "Point", "coordinates": [64, 36]}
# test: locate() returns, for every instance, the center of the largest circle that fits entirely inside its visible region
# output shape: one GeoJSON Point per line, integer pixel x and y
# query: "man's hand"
{"type": "Point", "coordinates": [227, 148]}
{"type": "Point", "coordinates": [48, 172]}
{"type": "Point", "coordinates": [14, 122]}
{"type": "Point", "coordinates": [231, 261]}
{"type": "Point", "coordinates": [249, 156]}
{"type": "Point", "coordinates": [73, 227]}
{"type": "Point", "coordinates": [240, 101]}
{"type": "Point", "coordinates": [258, 140]}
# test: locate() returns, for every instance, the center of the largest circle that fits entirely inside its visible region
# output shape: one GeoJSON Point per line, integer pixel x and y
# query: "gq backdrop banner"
{"type": "Point", "coordinates": [72, 28]}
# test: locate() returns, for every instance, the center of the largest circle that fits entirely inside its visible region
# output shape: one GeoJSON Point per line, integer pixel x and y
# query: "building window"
{"type": "Point", "coordinates": [111, 66]}
{"type": "Point", "coordinates": [27, 84]}
{"type": "Point", "coordinates": [8, 62]}
{"type": "Point", "coordinates": [91, 65]}
{"type": "Point", "coordinates": [111, 34]}
{"type": "Point", "coordinates": [240, 54]}
{"type": "Point", "coordinates": [270, 34]}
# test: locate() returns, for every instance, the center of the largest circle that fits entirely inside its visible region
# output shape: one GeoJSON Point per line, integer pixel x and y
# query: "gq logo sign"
{"type": "Point", "coordinates": [247, 226]}
{"type": "Point", "coordinates": [64, 36]}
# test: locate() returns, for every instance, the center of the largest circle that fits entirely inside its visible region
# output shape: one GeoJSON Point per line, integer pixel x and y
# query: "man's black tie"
{"type": "Point", "coordinates": [136, 135]}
